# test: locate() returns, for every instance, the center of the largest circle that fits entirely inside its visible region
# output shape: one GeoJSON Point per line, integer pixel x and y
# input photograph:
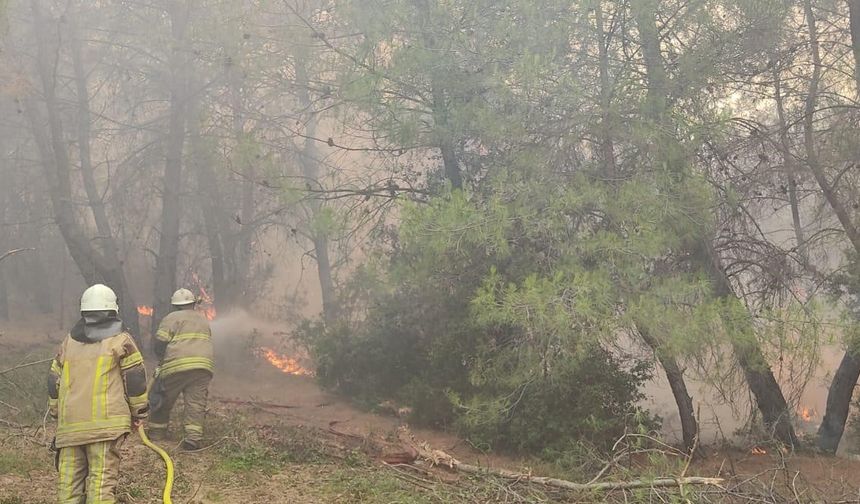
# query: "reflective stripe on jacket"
{"type": "Point", "coordinates": [95, 388]}
{"type": "Point", "coordinates": [189, 342]}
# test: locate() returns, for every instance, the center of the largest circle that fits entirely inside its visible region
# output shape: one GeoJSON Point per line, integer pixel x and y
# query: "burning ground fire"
{"type": "Point", "coordinates": [284, 363]}
{"type": "Point", "coordinates": [807, 414]}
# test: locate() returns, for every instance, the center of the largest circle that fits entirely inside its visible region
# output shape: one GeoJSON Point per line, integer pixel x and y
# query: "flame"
{"type": "Point", "coordinates": [808, 414]}
{"type": "Point", "coordinates": [205, 303]}
{"type": "Point", "coordinates": [758, 451]}
{"type": "Point", "coordinates": [285, 363]}
{"type": "Point", "coordinates": [146, 311]}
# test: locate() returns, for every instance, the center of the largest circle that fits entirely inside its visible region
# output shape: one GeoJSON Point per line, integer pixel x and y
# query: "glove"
{"type": "Point", "coordinates": [56, 451]}
{"type": "Point", "coordinates": [157, 372]}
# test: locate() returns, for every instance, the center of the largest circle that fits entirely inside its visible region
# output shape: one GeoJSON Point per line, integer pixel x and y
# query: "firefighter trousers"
{"type": "Point", "coordinates": [89, 473]}
{"type": "Point", "coordinates": [193, 385]}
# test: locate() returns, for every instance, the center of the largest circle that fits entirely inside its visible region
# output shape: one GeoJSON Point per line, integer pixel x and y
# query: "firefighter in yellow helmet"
{"type": "Point", "coordinates": [183, 345]}
{"type": "Point", "coordinates": [97, 392]}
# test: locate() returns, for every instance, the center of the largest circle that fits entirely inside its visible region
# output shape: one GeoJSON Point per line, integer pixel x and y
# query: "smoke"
{"type": "Point", "coordinates": [723, 421]}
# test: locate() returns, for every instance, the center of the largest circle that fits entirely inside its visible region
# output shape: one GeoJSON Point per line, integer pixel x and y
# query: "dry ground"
{"type": "Point", "coordinates": [258, 453]}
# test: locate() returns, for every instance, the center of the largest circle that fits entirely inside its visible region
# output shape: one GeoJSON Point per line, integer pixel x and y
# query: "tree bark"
{"type": "Point", "coordinates": [607, 144]}
{"type": "Point", "coordinates": [242, 248]}
{"type": "Point", "coordinates": [56, 166]}
{"type": "Point", "coordinates": [765, 389]}
{"type": "Point", "coordinates": [789, 165]}
{"type": "Point", "coordinates": [854, 27]}
{"type": "Point", "coordinates": [440, 106]}
{"type": "Point", "coordinates": [109, 248]}
{"type": "Point", "coordinates": [767, 392]}
{"type": "Point", "coordinates": [209, 196]}
{"type": "Point", "coordinates": [309, 158]}
{"type": "Point", "coordinates": [674, 373]}
{"type": "Point", "coordinates": [842, 386]}
{"type": "Point", "coordinates": [675, 377]}
{"type": "Point", "coordinates": [171, 199]}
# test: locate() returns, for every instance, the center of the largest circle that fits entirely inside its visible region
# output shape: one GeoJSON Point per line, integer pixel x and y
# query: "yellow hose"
{"type": "Point", "coordinates": [168, 482]}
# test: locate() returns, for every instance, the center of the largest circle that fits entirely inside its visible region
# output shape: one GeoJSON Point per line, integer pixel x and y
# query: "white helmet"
{"type": "Point", "coordinates": [99, 297]}
{"type": "Point", "coordinates": [183, 297]}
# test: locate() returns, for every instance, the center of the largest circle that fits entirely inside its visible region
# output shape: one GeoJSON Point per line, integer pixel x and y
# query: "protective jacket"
{"type": "Point", "coordinates": [184, 342]}
{"type": "Point", "coordinates": [97, 384]}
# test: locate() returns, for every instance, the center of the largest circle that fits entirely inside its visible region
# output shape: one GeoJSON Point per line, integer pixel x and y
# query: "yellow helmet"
{"type": "Point", "coordinates": [183, 297]}
{"type": "Point", "coordinates": [99, 297]}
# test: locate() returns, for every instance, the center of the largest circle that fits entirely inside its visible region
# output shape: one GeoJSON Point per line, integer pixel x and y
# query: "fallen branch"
{"type": "Point", "coordinates": [21, 366]}
{"type": "Point", "coordinates": [583, 487]}
{"type": "Point", "coordinates": [13, 252]}
{"type": "Point", "coordinates": [440, 458]}
{"type": "Point", "coordinates": [258, 404]}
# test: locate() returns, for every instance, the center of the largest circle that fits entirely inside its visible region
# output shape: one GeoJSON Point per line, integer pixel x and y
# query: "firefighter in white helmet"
{"type": "Point", "coordinates": [183, 344]}
{"type": "Point", "coordinates": [97, 392]}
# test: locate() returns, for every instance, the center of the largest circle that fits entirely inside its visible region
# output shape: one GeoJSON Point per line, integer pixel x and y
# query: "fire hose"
{"type": "Point", "coordinates": [168, 481]}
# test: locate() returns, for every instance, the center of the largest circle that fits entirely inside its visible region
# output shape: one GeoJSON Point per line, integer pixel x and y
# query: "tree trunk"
{"type": "Point", "coordinates": [765, 389]}
{"type": "Point", "coordinates": [54, 157]}
{"type": "Point", "coordinates": [838, 403]}
{"type": "Point", "coordinates": [242, 248]}
{"type": "Point", "coordinates": [442, 136]}
{"type": "Point", "coordinates": [310, 169]}
{"type": "Point", "coordinates": [789, 166]}
{"type": "Point", "coordinates": [607, 144]}
{"type": "Point", "coordinates": [854, 26]}
{"type": "Point", "coordinates": [446, 142]}
{"type": "Point", "coordinates": [674, 374]}
{"type": "Point", "coordinates": [842, 386]}
{"type": "Point", "coordinates": [675, 377]}
{"type": "Point", "coordinates": [116, 277]}
{"type": "Point", "coordinates": [171, 204]}
{"type": "Point", "coordinates": [759, 376]}
{"type": "Point", "coordinates": [209, 196]}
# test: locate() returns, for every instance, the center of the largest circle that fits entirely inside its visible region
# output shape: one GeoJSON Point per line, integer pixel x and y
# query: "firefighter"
{"type": "Point", "coordinates": [97, 392]}
{"type": "Point", "coordinates": [183, 346]}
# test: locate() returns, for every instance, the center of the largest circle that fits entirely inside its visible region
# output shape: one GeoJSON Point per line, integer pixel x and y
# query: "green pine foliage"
{"type": "Point", "coordinates": [500, 313]}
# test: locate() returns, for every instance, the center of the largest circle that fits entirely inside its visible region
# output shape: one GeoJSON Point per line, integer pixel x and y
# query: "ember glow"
{"type": "Point", "coordinates": [146, 311]}
{"type": "Point", "coordinates": [205, 304]}
{"type": "Point", "coordinates": [807, 414]}
{"type": "Point", "coordinates": [209, 312]}
{"type": "Point", "coordinates": [285, 363]}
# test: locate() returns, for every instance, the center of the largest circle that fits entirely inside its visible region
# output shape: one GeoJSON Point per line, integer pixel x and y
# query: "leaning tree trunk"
{"type": "Point", "coordinates": [767, 392]}
{"type": "Point", "coordinates": [51, 144]}
{"type": "Point", "coordinates": [842, 386]}
{"type": "Point", "coordinates": [171, 204]}
{"type": "Point", "coordinates": [759, 377]}
{"type": "Point", "coordinates": [109, 248]}
{"type": "Point", "coordinates": [675, 377]}
{"type": "Point", "coordinates": [674, 373]}
{"type": "Point", "coordinates": [310, 160]}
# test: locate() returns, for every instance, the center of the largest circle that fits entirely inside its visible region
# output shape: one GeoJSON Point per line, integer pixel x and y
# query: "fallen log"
{"type": "Point", "coordinates": [440, 458]}
{"type": "Point", "coordinates": [258, 404]}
